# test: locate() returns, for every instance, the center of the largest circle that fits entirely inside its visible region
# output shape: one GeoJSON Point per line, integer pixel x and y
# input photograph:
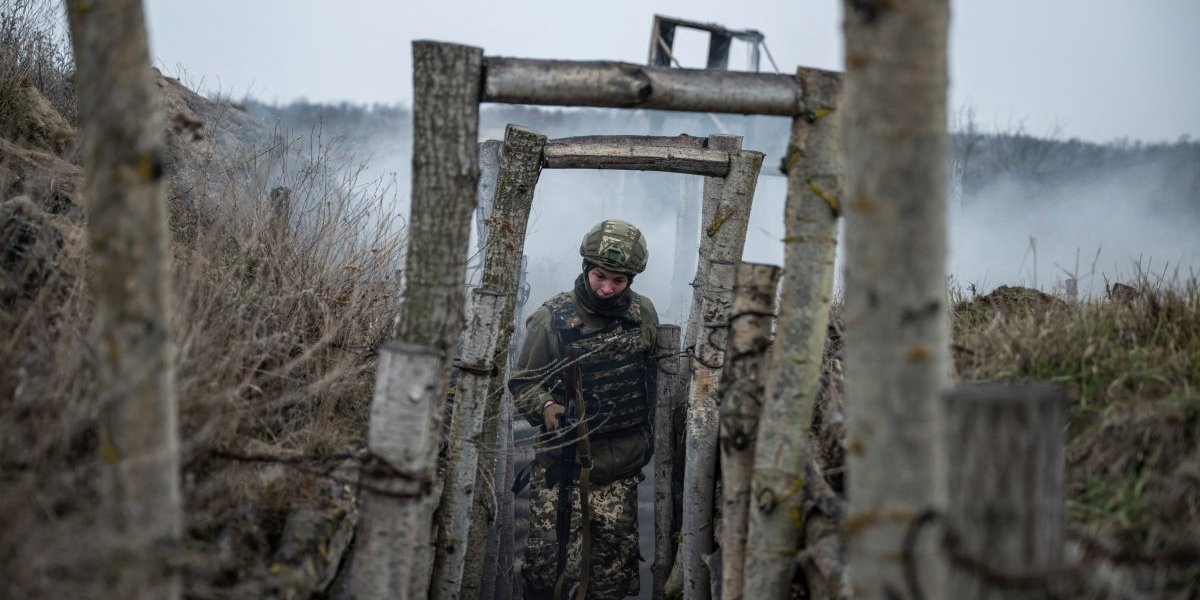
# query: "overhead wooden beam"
{"type": "Point", "coordinates": [666, 141]}
{"type": "Point", "coordinates": [626, 85]}
{"type": "Point", "coordinates": [569, 154]}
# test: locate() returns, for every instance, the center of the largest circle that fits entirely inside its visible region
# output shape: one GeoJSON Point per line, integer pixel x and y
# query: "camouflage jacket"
{"type": "Point", "coordinates": [537, 371]}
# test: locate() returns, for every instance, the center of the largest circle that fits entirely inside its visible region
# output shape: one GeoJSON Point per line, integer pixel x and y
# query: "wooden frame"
{"type": "Point", "coordinates": [450, 82]}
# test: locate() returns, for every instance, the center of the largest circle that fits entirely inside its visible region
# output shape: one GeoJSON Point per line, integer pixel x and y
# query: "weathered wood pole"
{"type": "Point", "coordinates": [446, 80]}
{"type": "Point", "coordinates": [709, 208]}
{"type": "Point", "coordinates": [741, 393]}
{"type": "Point", "coordinates": [520, 168]}
{"type": "Point", "coordinates": [897, 329]}
{"type": "Point", "coordinates": [485, 193]}
{"type": "Point", "coordinates": [1007, 484]}
{"type": "Point", "coordinates": [793, 379]}
{"type": "Point", "coordinates": [466, 434]}
{"type": "Point", "coordinates": [122, 131]}
{"type": "Point", "coordinates": [498, 570]}
{"type": "Point", "coordinates": [726, 230]}
{"type": "Point", "coordinates": [670, 364]}
{"type": "Point", "coordinates": [624, 85]}
{"type": "Point", "coordinates": [403, 438]}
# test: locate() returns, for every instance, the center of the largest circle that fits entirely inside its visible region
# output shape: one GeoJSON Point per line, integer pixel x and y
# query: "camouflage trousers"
{"type": "Point", "coordinates": [614, 539]}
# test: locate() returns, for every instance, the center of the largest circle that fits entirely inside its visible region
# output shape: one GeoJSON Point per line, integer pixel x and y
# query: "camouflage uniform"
{"type": "Point", "coordinates": [614, 539]}
{"type": "Point", "coordinates": [620, 449]}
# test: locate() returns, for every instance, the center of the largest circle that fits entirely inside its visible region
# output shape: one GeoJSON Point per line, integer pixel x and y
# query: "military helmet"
{"type": "Point", "coordinates": [616, 246]}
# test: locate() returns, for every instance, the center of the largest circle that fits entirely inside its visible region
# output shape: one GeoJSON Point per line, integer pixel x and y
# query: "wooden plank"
{"type": "Point", "coordinates": [626, 85]}
{"type": "Point", "coordinates": [593, 155]}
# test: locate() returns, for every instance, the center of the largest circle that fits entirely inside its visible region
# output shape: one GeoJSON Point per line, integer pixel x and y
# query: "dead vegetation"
{"type": "Point", "coordinates": [276, 322]}
{"type": "Point", "coordinates": [1132, 367]}
{"type": "Point", "coordinates": [278, 310]}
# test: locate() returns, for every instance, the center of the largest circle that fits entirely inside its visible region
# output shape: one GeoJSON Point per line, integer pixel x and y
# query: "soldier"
{"type": "Point", "coordinates": [594, 342]}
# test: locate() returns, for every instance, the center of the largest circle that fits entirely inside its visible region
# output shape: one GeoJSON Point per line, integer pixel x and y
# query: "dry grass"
{"type": "Point", "coordinates": [1132, 367]}
{"type": "Point", "coordinates": [275, 325]}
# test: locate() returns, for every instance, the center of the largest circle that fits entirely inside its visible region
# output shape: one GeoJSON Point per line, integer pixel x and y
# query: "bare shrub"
{"type": "Point", "coordinates": [276, 321]}
{"type": "Point", "coordinates": [34, 50]}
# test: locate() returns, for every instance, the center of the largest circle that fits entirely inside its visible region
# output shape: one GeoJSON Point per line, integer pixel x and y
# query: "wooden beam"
{"type": "Point", "coordinates": [626, 85]}
{"type": "Point", "coordinates": [618, 155]}
{"type": "Point", "coordinates": [665, 141]}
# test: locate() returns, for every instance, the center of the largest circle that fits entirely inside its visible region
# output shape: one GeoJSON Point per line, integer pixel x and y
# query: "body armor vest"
{"type": "Point", "coordinates": [612, 366]}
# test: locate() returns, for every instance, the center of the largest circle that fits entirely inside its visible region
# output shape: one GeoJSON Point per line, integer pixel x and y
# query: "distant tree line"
{"type": "Point", "coordinates": [1165, 175]}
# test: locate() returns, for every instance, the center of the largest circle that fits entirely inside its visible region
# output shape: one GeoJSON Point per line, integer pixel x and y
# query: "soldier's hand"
{"type": "Point", "coordinates": [550, 415]}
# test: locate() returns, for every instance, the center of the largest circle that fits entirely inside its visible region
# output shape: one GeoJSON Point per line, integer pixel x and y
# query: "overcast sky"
{"type": "Point", "coordinates": [1092, 69]}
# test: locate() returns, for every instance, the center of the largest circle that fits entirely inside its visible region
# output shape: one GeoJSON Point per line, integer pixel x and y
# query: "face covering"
{"type": "Point", "coordinates": [605, 307]}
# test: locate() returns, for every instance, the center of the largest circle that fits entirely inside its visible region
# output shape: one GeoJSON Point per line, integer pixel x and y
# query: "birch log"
{"type": "Point", "coordinates": [466, 432]}
{"type": "Point", "coordinates": [403, 437]}
{"type": "Point", "coordinates": [624, 85]}
{"type": "Point", "coordinates": [129, 276]}
{"type": "Point", "coordinates": [1007, 484]}
{"type": "Point", "coordinates": [897, 330]}
{"type": "Point", "coordinates": [741, 394]}
{"type": "Point", "coordinates": [670, 363]}
{"type": "Point", "coordinates": [793, 377]}
{"type": "Point", "coordinates": [520, 168]}
{"type": "Point", "coordinates": [726, 233]}
{"type": "Point", "coordinates": [485, 193]}
{"type": "Point", "coordinates": [446, 79]}
{"type": "Point", "coordinates": [711, 206]}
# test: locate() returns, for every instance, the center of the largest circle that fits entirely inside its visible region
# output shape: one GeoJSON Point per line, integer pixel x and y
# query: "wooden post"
{"type": "Point", "coordinates": [485, 194]}
{"type": "Point", "coordinates": [403, 439]}
{"type": "Point", "coordinates": [699, 476]}
{"type": "Point", "coordinates": [281, 212]}
{"type": "Point", "coordinates": [129, 277]}
{"type": "Point", "coordinates": [742, 382]}
{"type": "Point", "coordinates": [670, 364]}
{"type": "Point", "coordinates": [446, 80]}
{"type": "Point", "coordinates": [1007, 483]}
{"type": "Point", "coordinates": [687, 225]}
{"type": "Point", "coordinates": [498, 579]}
{"type": "Point", "coordinates": [466, 432]}
{"type": "Point", "coordinates": [793, 378]}
{"type": "Point", "coordinates": [710, 207]}
{"type": "Point", "coordinates": [725, 228]}
{"type": "Point", "coordinates": [520, 168]}
{"type": "Point", "coordinates": [897, 341]}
